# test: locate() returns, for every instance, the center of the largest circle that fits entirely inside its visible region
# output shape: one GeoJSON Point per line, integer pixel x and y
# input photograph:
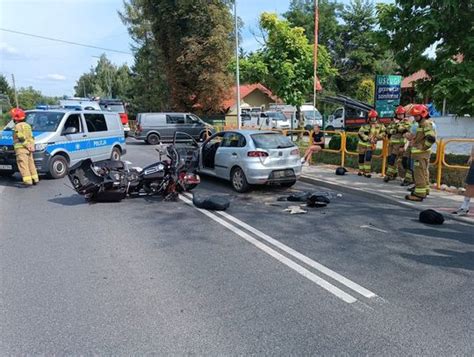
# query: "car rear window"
{"type": "Point", "coordinates": [271, 141]}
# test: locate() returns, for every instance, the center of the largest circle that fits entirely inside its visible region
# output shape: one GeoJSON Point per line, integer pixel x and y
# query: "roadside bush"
{"type": "Point", "coordinates": [351, 143]}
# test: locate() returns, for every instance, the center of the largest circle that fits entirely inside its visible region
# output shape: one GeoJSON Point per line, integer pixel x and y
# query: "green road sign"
{"type": "Point", "coordinates": [387, 94]}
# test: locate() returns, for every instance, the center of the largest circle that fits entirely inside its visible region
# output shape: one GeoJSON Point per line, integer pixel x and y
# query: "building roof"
{"type": "Point", "coordinates": [245, 90]}
{"type": "Point", "coordinates": [407, 82]}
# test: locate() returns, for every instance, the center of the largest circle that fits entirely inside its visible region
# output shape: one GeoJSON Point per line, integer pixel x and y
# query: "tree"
{"type": "Point", "coordinates": [301, 14]}
{"type": "Point", "coordinates": [437, 37]}
{"type": "Point", "coordinates": [6, 94]}
{"type": "Point", "coordinates": [105, 80]}
{"type": "Point", "coordinates": [349, 34]}
{"type": "Point", "coordinates": [148, 90]}
{"type": "Point", "coordinates": [285, 63]}
{"type": "Point", "coordinates": [194, 38]}
{"type": "Point", "coordinates": [29, 98]}
{"type": "Point", "coordinates": [359, 52]}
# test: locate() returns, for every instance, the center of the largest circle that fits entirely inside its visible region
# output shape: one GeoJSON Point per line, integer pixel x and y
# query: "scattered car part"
{"type": "Point", "coordinates": [340, 171]}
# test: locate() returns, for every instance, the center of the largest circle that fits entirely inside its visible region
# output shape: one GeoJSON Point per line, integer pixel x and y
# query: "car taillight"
{"type": "Point", "coordinates": [295, 152]}
{"type": "Point", "coordinates": [124, 118]}
{"type": "Point", "coordinates": [257, 154]}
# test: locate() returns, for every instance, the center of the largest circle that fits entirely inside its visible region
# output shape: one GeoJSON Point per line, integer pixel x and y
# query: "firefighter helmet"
{"type": "Point", "coordinates": [373, 114]}
{"type": "Point", "coordinates": [400, 110]}
{"type": "Point", "coordinates": [17, 114]}
{"type": "Point", "coordinates": [419, 110]}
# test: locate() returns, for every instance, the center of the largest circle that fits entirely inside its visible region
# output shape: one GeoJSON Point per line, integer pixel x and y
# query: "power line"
{"type": "Point", "coordinates": [64, 41]}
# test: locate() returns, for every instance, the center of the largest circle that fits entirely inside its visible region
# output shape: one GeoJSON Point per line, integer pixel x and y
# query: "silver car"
{"type": "Point", "coordinates": [250, 157]}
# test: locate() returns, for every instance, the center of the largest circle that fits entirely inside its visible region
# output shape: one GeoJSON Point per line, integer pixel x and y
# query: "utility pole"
{"type": "Point", "coordinates": [14, 90]}
{"type": "Point", "coordinates": [315, 53]}
{"type": "Point", "coordinates": [237, 74]}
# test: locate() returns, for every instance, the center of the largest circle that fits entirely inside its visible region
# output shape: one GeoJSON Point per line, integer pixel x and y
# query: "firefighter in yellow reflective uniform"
{"type": "Point", "coordinates": [24, 145]}
{"type": "Point", "coordinates": [421, 151]}
{"type": "Point", "coordinates": [397, 141]}
{"type": "Point", "coordinates": [369, 134]}
{"type": "Point", "coordinates": [407, 162]}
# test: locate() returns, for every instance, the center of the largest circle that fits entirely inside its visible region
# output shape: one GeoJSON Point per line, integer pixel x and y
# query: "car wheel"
{"type": "Point", "coordinates": [153, 139]}
{"type": "Point", "coordinates": [116, 154]}
{"type": "Point", "coordinates": [239, 181]}
{"type": "Point", "coordinates": [58, 167]}
{"type": "Point", "coordinates": [287, 184]}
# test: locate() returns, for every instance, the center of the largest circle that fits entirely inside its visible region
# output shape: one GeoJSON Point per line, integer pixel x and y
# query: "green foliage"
{"type": "Point", "coordinates": [351, 143]}
{"type": "Point", "coordinates": [366, 91]}
{"type": "Point", "coordinates": [436, 37]}
{"type": "Point", "coordinates": [148, 90]}
{"type": "Point", "coordinates": [6, 90]}
{"type": "Point", "coordinates": [29, 98]}
{"type": "Point", "coordinates": [349, 33]}
{"type": "Point", "coordinates": [301, 14]}
{"type": "Point", "coordinates": [194, 38]}
{"type": "Point", "coordinates": [285, 63]}
{"type": "Point", "coordinates": [105, 80]}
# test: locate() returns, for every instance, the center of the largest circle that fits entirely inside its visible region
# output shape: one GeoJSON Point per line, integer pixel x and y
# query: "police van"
{"type": "Point", "coordinates": [63, 137]}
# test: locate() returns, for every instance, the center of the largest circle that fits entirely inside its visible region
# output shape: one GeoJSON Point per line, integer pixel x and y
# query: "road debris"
{"type": "Point", "coordinates": [295, 210]}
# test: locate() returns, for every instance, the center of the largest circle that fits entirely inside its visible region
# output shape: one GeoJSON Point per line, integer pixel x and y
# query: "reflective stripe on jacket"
{"type": "Point", "coordinates": [22, 136]}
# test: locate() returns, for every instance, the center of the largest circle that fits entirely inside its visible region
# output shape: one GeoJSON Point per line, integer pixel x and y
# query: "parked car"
{"type": "Point", "coordinates": [161, 127]}
{"type": "Point", "coordinates": [116, 106]}
{"type": "Point", "coordinates": [250, 157]}
{"type": "Point", "coordinates": [64, 137]}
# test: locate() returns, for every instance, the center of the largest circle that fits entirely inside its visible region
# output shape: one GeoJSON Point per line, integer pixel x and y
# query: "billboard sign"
{"type": "Point", "coordinates": [387, 94]}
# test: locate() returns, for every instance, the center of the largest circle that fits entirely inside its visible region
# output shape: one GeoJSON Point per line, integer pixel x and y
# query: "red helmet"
{"type": "Point", "coordinates": [419, 110]}
{"type": "Point", "coordinates": [17, 114]}
{"type": "Point", "coordinates": [373, 114]}
{"type": "Point", "coordinates": [400, 110]}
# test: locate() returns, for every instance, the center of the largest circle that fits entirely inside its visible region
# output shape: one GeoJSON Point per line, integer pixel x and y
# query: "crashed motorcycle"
{"type": "Point", "coordinates": [112, 181]}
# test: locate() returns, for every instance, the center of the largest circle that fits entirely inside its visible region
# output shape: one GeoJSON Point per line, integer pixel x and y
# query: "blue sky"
{"type": "Point", "coordinates": [53, 67]}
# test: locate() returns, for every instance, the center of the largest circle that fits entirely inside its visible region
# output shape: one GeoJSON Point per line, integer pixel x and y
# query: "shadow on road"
{"type": "Point", "coordinates": [451, 232]}
{"type": "Point", "coordinates": [447, 258]}
{"type": "Point", "coordinates": [137, 142]}
{"type": "Point", "coordinates": [74, 200]}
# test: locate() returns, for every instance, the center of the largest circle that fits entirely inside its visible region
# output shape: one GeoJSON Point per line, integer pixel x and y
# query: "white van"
{"type": "Point", "coordinates": [65, 137]}
{"type": "Point", "coordinates": [310, 114]}
{"type": "Point", "coordinates": [267, 120]}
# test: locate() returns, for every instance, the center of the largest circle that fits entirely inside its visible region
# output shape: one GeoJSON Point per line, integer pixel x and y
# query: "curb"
{"type": "Point", "coordinates": [375, 195]}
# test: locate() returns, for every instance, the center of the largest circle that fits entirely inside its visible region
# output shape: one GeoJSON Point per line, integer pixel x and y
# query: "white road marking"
{"type": "Point", "coordinates": [373, 228]}
{"type": "Point", "coordinates": [323, 269]}
{"type": "Point", "coordinates": [281, 258]}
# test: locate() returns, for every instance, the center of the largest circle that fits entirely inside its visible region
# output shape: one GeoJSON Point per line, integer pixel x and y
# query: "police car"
{"type": "Point", "coordinates": [63, 137]}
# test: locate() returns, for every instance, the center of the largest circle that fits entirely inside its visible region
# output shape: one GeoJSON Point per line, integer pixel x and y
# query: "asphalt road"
{"type": "Point", "coordinates": [147, 276]}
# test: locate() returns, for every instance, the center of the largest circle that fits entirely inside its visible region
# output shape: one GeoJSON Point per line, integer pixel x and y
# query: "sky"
{"type": "Point", "coordinates": [54, 67]}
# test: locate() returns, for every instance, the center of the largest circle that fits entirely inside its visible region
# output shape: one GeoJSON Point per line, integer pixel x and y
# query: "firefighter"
{"type": "Point", "coordinates": [407, 162]}
{"type": "Point", "coordinates": [369, 134]}
{"type": "Point", "coordinates": [397, 141]}
{"type": "Point", "coordinates": [24, 145]}
{"type": "Point", "coordinates": [420, 152]}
